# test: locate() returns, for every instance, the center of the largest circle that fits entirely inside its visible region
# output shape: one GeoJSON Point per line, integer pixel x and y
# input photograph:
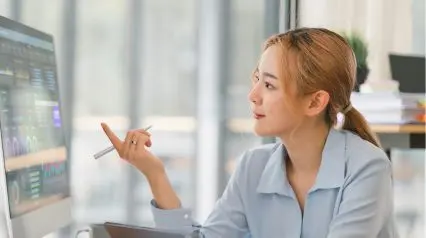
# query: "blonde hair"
{"type": "Point", "coordinates": [318, 59]}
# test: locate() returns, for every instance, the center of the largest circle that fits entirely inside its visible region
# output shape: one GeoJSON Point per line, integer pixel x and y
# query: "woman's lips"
{"type": "Point", "coordinates": [258, 116]}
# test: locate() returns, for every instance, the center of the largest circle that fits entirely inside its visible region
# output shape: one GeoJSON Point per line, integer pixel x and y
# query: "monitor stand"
{"type": "Point", "coordinates": [3, 225]}
{"type": "Point", "coordinates": [4, 228]}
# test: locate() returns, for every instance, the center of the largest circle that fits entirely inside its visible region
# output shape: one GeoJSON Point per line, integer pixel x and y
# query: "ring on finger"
{"type": "Point", "coordinates": [134, 141]}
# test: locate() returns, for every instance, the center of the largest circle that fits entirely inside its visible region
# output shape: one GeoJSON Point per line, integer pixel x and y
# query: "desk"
{"type": "Point", "coordinates": [404, 128]}
{"type": "Point", "coordinates": [406, 136]}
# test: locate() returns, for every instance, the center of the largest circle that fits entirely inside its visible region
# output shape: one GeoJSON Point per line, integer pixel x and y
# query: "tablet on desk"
{"type": "Point", "coordinates": [116, 230]}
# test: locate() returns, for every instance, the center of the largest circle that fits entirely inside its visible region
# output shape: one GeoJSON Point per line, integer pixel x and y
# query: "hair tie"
{"type": "Point", "coordinates": [347, 108]}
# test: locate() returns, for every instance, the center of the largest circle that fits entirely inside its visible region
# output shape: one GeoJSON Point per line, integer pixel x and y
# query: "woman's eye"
{"type": "Point", "coordinates": [268, 85]}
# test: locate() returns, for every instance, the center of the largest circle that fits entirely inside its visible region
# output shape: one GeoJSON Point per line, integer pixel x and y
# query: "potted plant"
{"type": "Point", "coordinates": [359, 46]}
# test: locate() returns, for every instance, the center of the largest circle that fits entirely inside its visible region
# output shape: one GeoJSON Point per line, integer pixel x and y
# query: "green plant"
{"type": "Point", "coordinates": [360, 48]}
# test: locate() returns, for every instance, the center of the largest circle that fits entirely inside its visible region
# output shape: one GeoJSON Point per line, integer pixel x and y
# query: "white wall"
{"type": "Point", "coordinates": [419, 40]}
{"type": "Point", "coordinates": [387, 25]}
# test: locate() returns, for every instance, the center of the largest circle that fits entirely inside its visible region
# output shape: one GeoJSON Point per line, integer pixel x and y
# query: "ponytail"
{"type": "Point", "coordinates": [354, 121]}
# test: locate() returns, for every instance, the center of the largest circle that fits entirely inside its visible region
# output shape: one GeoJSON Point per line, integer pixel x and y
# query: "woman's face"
{"type": "Point", "coordinates": [276, 111]}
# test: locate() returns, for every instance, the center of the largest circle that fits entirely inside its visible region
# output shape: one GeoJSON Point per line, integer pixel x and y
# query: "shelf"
{"type": "Point", "coordinates": [408, 128]}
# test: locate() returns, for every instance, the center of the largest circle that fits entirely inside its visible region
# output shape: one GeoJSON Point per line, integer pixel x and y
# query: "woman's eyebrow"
{"type": "Point", "coordinates": [269, 75]}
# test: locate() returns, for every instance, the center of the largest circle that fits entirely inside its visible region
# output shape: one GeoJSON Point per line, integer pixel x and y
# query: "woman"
{"type": "Point", "coordinates": [318, 181]}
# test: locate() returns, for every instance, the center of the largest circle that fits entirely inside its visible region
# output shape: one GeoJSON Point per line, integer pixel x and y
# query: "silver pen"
{"type": "Point", "coordinates": [111, 148]}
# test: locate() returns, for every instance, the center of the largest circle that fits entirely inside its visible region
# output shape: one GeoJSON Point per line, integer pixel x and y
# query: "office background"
{"type": "Point", "coordinates": [184, 67]}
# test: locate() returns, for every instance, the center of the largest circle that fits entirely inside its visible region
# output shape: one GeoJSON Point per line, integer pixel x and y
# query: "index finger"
{"type": "Point", "coordinates": [116, 142]}
{"type": "Point", "coordinates": [143, 131]}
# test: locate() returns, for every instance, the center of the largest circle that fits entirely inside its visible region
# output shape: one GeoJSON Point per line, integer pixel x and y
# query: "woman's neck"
{"type": "Point", "coordinates": [304, 147]}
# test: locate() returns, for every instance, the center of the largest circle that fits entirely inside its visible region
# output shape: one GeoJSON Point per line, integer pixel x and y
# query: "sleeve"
{"type": "Point", "coordinates": [366, 204]}
{"type": "Point", "coordinates": [226, 220]}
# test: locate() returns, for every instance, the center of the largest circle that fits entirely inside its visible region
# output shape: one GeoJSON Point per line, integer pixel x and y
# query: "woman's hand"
{"type": "Point", "coordinates": [133, 150]}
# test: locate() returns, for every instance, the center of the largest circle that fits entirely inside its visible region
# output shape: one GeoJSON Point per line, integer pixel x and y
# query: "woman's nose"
{"type": "Point", "coordinates": [254, 94]}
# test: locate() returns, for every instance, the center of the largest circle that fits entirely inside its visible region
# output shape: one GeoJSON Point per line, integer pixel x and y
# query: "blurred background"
{"type": "Point", "coordinates": [184, 67]}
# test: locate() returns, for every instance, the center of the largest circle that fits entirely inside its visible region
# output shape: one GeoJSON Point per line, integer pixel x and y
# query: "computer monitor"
{"type": "Point", "coordinates": [409, 71]}
{"type": "Point", "coordinates": [34, 168]}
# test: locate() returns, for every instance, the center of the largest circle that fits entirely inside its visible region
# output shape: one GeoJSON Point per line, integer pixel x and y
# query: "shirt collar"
{"type": "Point", "coordinates": [274, 175]}
{"type": "Point", "coordinates": [331, 173]}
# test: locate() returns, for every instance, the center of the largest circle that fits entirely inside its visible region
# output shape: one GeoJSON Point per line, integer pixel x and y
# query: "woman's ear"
{"type": "Point", "coordinates": [317, 102]}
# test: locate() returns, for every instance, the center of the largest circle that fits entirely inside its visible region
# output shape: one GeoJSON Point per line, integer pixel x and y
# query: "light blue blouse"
{"type": "Point", "coordinates": [351, 197]}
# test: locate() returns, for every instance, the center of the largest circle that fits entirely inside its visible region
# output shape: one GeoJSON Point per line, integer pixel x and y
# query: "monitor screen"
{"type": "Point", "coordinates": [32, 135]}
{"type": "Point", "coordinates": [409, 71]}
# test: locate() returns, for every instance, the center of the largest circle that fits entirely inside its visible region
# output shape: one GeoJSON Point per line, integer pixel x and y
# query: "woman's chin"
{"type": "Point", "coordinates": [263, 132]}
